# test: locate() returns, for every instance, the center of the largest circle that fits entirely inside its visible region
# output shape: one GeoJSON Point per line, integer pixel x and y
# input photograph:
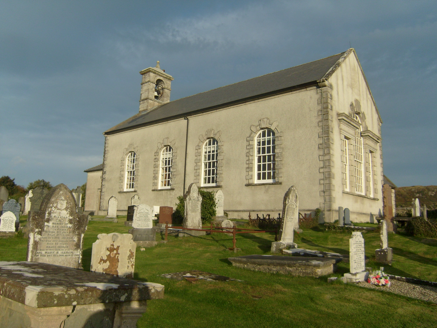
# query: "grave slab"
{"type": "Point", "coordinates": [41, 295]}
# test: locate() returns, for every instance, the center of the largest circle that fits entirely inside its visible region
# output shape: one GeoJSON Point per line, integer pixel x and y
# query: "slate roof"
{"type": "Point", "coordinates": [95, 168]}
{"type": "Point", "coordinates": [290, 78]}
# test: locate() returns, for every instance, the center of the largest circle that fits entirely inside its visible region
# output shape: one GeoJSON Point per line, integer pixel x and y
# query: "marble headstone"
{"type": "Point", "coordinates": [112, 207]}
{"type": "Point", "coordinates": [56, 231]}
{"type": "Point", "coordinates": [416, 207]}
{"type": "Point", "coordinates": [27, 202]}
{"type": "Point", "coordinates": [290, 221]}
{"type": "Point", "coordinates": [340, 216]}
{"type": "Point", "coordinates": [193, 203]}
{"type": "Point", "coordinates": [142, 217]}
{"type": "Point", "coordinates": [7, 222]}
{"type": "Point", "coordinates": [4, 194]}
{"type": "Point", "coordinates": [114, 254]}
{"type": "Point", "coordinates": [357, 259]}
{"type": "Point", "coordinates": [219, 200]}
{"type": "Point", "coordinates": [347, 216]}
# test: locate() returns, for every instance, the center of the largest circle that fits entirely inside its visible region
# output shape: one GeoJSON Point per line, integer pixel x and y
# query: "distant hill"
{"type": "Point", "coordinates": [427, 196]}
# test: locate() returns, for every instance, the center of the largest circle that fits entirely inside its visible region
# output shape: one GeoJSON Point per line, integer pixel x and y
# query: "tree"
{"type": "Point", "coordinates": [9, 183]}
{"type": "Point", "coordinates": [39, 183]}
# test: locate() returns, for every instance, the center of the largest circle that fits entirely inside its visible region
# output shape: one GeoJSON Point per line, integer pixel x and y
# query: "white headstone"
{"type": "Point", "coordinates": [112, 207]}
{"type": "Point", "coordinates": [290, 215]}
{"type": "Point", "coordinates": [135, 200]}
{"type": "Point", "coordinates": [142, 217]}
{"type": "Point", "coordinates": [219, 200]}
{"type": "Point", "coordinates": [7, 223]}
{"type": "Point", "coordinates": [357, 253]}
{"type": "Point", "coordinates": [114, 254]}
{"type": "Point", "coordinates": [383, 235]}
{"type": "Point", "coordinates": [155, 211]}
{"type": "Point", "coordinates": [193, 205]}
{"type": "Point", "coordinates": [27, 202]}
{"type": "Point", "coordinates": [416, 207]}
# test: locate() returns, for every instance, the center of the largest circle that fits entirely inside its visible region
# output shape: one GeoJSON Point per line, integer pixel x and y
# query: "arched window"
{"type": "Point", "coordinates": [165, 170]}
{"type": "Point", "coordinates": [210, 152]}
{"type": "Point", "coordinates": [130, 171]}
{"type": "Point", "coordinates": [358, 158]}
{"type": "Point", "coordinates": [265, 170]}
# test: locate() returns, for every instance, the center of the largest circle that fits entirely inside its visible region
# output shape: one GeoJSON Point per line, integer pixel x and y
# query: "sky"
{"type": "Point", "coordinates": [69, 70]}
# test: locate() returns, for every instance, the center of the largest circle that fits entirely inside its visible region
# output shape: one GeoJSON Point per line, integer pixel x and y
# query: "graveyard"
{"type": "Point", "coordinates": [246, 298]}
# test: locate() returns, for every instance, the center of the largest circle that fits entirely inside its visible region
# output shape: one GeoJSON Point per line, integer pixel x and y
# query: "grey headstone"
{"type": "Point", "coordinates": [38, 195]}
{"type": "Point", "coordinates": [142, 217]}
{"type": "Point", "coordinates": [372, 218]}
{"type": "Point", "coordinates": [425, 213]}
{"type": "Point", "coordinates": [21, 202]}
{"type": "Point", "coordinates": [193, 203]}
{"type": "Point", "coordinates": [7, 222]}
{"type": "Point", "coordinates": [347, 216]}
{"type": "Point", "coordinates": [219, 200]}
{"type": "Point", "coordinates": [56, 231]}
{"type": "Point", "coordinates": [135, 200]}
{"type": "Point", "coordinates": [4, 194]}
{"type": "Point", "coordinates": [114, 254]}
{"type": "Point", "coordinates": [112, 207]}
{"type": "Point", "coordinates": [12, 206]}
{"type": "Point", "coordinates": [340, 216]}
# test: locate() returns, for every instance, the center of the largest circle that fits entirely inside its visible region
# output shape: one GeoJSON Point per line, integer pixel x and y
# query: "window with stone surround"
{"type": "Point", "coordinates": [359, 159]}
{"type": "Point", "coordinates": [209, 162]}
{"type": "Point", "coordinates": [165, 167]}
{"type": "Point", "coordinates": [265, 166]}
{"type": "Point", "coordinates": [130, 171]}
{"type": "Point", "coordinates": [345, 162]}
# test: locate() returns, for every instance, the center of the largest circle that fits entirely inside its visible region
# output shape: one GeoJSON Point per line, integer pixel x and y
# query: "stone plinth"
{"type": "Point", "coordinates": [144, 237]}
{"type": "Point", "coordinates": [41, 295]}
{"type": "Point", "coordinates": [295, 266]}
{"type": "Point", "coordinates": [384, 255]}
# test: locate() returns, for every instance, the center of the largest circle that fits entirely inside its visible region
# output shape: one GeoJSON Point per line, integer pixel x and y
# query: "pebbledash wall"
{"type": "Point", "coordinates": [319, 131]}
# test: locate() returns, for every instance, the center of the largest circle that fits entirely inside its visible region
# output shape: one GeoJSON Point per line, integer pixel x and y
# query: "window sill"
{"type": "Point", "coordinates": [263, 184]}
{"type": "Point", "coordinates": [126, 191]}
{"type": "Point", "coordinates": [359, 195]}
{"type": "Point", "coordinates": [163, 189]}
{"type": "Point", "coordinates": [210, 187]}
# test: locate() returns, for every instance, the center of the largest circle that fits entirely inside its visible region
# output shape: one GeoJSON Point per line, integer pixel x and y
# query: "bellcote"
{"type": "Point", "coordinates": [155, 88]}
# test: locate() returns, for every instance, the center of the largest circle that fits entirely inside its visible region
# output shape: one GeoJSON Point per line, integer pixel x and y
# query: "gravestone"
{"type": "Point", "coordinates": [357, 259]}
{"type": "Point", "coordinates": [416, 207]}
{"type": "Point", "coordinates": [135, 200]}
{"type": "Point", "coordinates": [114, 254]}
{"type": "Point", "coordinates": [219, 200]}
{"type": "Point", "coordinates": [290, 221]}
{"type": "Point", "coordinates": [56, 231]}
{"type": "Point", "coordinates": [4, 194]}
{"type": "Point", "coordinates": [38, 195]}
{"type": "Point", "coordinates": [228, 226]}
{"type": "Point", "coordinates": [21, 202]}
{"type": "Point", "coordinates": [372, 218]}
{"type": "Point", "coordinates": [27, 202]}
{"type": "Point", "coordinates": [192, 219]}
{"type": "Point", "coordinates": [112, 208]}
{"type": "Point", "coordinates": [77, 194]}
{"type": "Point", "coordinates": [143, 232]}
{"type": "Point", "coordinates": [340, 216]}
{"type": "Point", "coordinates": [130, 215]}
{"type": "Point", "coordinates": [385, 253]}
{"type": "Point", "coordinates": [165, 215]}
{"type": "Point", "coordinates": [7, 223]}
{"type": "Point", "coordinates": [12, 206]}
{"type": "Point", "coordinates": [425, 213]}
{"type": "Point", "coordinates": [347, 216]}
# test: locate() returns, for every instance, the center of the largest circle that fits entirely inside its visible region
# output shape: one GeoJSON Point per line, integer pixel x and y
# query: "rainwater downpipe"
{"type": "Point", "coordinates": [186, 150]}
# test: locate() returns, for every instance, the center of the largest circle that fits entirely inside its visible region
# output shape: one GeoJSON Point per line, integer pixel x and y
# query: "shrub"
{"type": "Point", "coordinates": [208, 208]}
{"type": "Point", "coordinates": [419, 227]}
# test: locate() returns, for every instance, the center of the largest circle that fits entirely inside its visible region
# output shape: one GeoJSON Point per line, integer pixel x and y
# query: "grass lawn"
{"type": "Point", "coordinates": [267, 300]}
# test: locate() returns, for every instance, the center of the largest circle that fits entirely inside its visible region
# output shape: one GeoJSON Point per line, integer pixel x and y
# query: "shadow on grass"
{"type": "Point", "coordinates": [263, 244]}
{"type": "Point", "coordinates": [413, 257]}
{"type": "Point", "coordinates": [330, 249]}
{"type": "Point", "coordinates": [226, 261]}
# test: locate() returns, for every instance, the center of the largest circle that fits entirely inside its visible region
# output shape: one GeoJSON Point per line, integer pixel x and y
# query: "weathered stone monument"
{"type": "Point", "coordinates": [77, 194]}
{"type": "Point", "coordinates": [340, 216]}
{"type": "Point", "coordinates": [290, 221]}
{"type": "Point", "coordinates": [56, 231]}
{"type": "Point", "coordinates": [112, 208]}
{"type": "Point", "coordinates": [385, 253]}
{"type": "Point", "coordinates": [193, 205]}
{"type": "Point", "coordinates": [7, 224]}
{"type": "Point", "coordinates": [135, 200]}
{"type": "Point", "coordinates": [425, 212]}
{"type": "Point", "coordinates": [357, 259]}
{"type": "Point", "coordinates": [21, 202]}
{"type": "Point", "coordinates": [12, 206]}
{"type": "Point", "coordinates": [165, 215]}
{"type": "Point", "coordinates": [219, 200]}
{"type": "Point", "coordinates": [114, 254]}
{"type": "Point", "coordinates": [27, 202]}
{"type": "Point", "coordinates": [143, 232]}
{"type": "Point", "coordinates": [347, 216]}
{"type": "Point", "coordinates": [4, 194]}
{"type": "Point", "coordinates": [416, 207]}
{"type": "Point", "coordinates": [228, 226]}
{"type": "Point", "coordinates": [37, 197]}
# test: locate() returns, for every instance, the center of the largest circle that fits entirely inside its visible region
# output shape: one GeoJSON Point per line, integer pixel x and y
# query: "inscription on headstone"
{"type": "Point", "coordinates": [112, 207]}
{"type": "Point", "coordinates": [114, 254]}
{"type": "Point", "coordinates": [357, 253]}
{"type": "Point", "coordinates": [165, 215]}
{"type": "Point", "coordinates": [56, 231]}
{"type": "Point", "coordinates": [219, 200]}
{"type": "Point", "coordinates": [7, 222]}
{"type": "Point", "coordinates": [193, 203]}
{"type": "Point", "coordinates": [142, 217]}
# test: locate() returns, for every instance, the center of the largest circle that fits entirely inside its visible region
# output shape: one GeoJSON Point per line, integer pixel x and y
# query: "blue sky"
{"type": "Point", "coordinates": [69, 70]}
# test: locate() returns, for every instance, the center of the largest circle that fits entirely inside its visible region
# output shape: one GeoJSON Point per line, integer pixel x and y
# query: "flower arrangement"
{"type": "Point", "coordinates": [378, 278]}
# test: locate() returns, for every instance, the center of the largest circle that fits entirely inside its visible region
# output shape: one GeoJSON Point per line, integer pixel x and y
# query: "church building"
{"type": "Point", "coordinates": [315, 126]}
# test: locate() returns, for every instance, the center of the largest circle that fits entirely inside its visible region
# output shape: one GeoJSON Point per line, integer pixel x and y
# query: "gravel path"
{"type": "Point", "coordinates": [420, 292]}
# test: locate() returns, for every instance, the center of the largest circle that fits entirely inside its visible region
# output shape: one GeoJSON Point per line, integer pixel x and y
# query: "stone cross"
{"type": "Point", "coordinates": [383, 234]}
{"type": "Point", "coordinates": [219, 200]}
{"type": "Point", "coordinates": [7, 222]}
{"type": "Point", "coordinates": [142, 217]}
{"type": "Point", "coordinates": [114, 254]}
{"type": "Point", "coordinates": [112, 207]}
{"type": "Point", "coordinates": [340, 216]}
{"type": "Point", "coordinates": [347, 216]}
{"type": "Point", "coordinates": [56, 231]}
{"type": "Point", "coordinates": [193, 204]}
